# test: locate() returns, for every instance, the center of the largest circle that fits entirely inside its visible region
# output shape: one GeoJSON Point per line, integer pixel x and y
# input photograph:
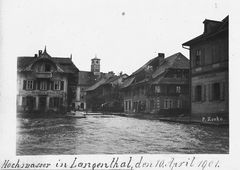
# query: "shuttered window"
{"type": "Point", "coordinates": [198, 93]}
{"type": "Point", "coordinates": [43, 85]}
{"type": "Point", "coordinates": [56, 85]}
{"type": "Point", "coordinates": [28, 84]}
{"type": "Point", "coordinates": [24, 101]}
{"type": "Point", "coordinates": [55, 102]}
{"type": "Point", "coordinates": [178, 89]}
{"type": "Point", "coordinates": [222, 89]}
{"type": "Point", "coordinates": [216, 91]}
{"type": "Point", "coordinates": [157, 89]}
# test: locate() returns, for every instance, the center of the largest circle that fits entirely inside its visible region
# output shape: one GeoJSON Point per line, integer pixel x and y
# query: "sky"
{"type": "Point", "coordinates": [124, 34]}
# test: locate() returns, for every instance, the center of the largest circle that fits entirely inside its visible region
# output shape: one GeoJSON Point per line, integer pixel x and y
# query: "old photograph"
{"type": "Point", "coordinates": [121, 77]}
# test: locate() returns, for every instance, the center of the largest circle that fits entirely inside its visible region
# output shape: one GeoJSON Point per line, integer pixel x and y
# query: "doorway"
{"type": "Point", "coordinates": [42, 103]}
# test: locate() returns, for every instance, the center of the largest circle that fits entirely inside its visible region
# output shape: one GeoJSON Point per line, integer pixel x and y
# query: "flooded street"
{"type": "Point", "coordinates": [107, 134]}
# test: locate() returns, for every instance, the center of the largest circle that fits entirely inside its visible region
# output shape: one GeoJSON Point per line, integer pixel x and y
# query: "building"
{"type": "Point", "coordinates": [209, 72]}
{"type": "Point", "coordinates": [45, 83]}
{"type": "Point", "coordinates": [85, 80]}
{"type": "Point", "coordinates": [160, 86]}
{"type": "Point", "coordinates": [95, 66]}
{"type": "Point", "coordinates": [105, 95]}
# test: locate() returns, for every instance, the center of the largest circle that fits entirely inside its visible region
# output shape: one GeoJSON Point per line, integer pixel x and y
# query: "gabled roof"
{"type": "Point", "coordinates": [145, 65]}
{"type": "Point", "coordinates": [220, 27]}
{"type": "Point", "coordinates": [176, 61]}
{"type": "Point", "coordinates": [64, 64]}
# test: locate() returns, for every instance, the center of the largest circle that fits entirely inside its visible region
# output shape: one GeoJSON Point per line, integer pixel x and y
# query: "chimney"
{"type": "Point", "coordinates": [39, 53]}
{"type": "Point", "coordinates": [71, 57]}
{"type": "Point", "coordinates": [161, 56]}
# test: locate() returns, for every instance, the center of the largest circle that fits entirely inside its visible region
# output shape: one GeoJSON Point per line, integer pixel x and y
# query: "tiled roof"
{"type": "Point", "coordinates": [65, 64]}
{"type": "Point", "coordinates": [127, 82]}
{"type": "Point", "coordinates": [220, 27]}
{"type": "Point", "coordinates": [177, 61]}
{"type": "Point", "coordinates": [145, 65]}
{"type": "Point", "coordinates": [96, 85]}
{"type": "Point", "coordinates": [112, 79]}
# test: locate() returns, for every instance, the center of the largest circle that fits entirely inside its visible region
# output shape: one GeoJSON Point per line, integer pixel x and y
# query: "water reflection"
{"type": "Point", "coordinates": [114, 134]}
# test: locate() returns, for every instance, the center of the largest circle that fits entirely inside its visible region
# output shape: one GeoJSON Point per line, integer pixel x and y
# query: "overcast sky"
{"type": "Point", "coordinates": [124, 34]}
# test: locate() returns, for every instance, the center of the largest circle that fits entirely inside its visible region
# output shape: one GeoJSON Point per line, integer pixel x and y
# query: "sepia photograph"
{"type": "Point", "coordinates": [119, 77]}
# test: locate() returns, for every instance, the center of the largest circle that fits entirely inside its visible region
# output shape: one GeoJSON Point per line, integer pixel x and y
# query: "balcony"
{"type": "Point", "coordinates": [43, 75]}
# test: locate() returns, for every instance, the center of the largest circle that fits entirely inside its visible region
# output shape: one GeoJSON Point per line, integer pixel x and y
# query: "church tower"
{"type": "Point", "coordinates": [95, 66]}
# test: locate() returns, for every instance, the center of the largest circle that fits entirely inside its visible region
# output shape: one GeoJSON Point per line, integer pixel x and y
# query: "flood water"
{"type": "Point", "coordinates": [108, 134]}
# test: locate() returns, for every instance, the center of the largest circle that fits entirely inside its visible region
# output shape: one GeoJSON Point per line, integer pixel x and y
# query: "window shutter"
{"type": "Point", "coordinates": [24, 84]}
{"type": "Point", "coordinates": [210, 92]}
{"type": "Point", "coordinates": [202, 56]}
{"type": "Point", "coordinates": [24, 100]}
{"type": "Point", "coordinates": [61, 101]}
{"type": "Point", "coordinates": [62, 85]}
{"type": "Point", "coordinates": [50, 102]}
{"type": "Point", "coordinates": [38, 84]}
{"type": "Point", "coordinates": [34, 84]}
{"type": "Point", "coordinates": [34, 102]}
{"type": "Point", "coordinates": [204, 93]}
{"type": "Point", "coordinates": [50, 85]}
{"type": "Point", "coordinates": [222, 90]}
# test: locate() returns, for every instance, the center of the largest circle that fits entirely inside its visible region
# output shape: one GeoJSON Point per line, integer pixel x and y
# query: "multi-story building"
{"type": "Point", "coordinates": [85, 80]}
{"type": "Point", "coordinates": [160, 86]}
{"type": "Point", "coordinates": [105, 95]}
{"type": "Point", "coordinates": [45, 83]}
{"type": "Point", "coordinates": [209, 72]}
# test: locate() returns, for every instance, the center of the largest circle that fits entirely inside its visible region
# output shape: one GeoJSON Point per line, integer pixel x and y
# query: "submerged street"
{"type": "Point", "coordinates": [108, 134]}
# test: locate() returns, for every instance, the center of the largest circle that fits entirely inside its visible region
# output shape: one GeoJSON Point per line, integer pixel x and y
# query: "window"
{"type": "Point", "coordinates": [168, 103]}
{"type": "Point", "coordinates": [178, 89]}
{"type": "Point", "coordinates": [157, 89]}
{"type": "Point", "coordinates": [216, 91]}
{"type": "Point", "coordinates": [56, 85]}
{"type": "Point", "coordinates": [29, 101]}
{"type": "Point", "coordinates": [29, 85]}
{"type": "Point", "coordinates": [129, 105]}
{"type": "Point", "coordinates": [198, 58]}
{"type": "Point", "coordinates": [126, 105]}
{"type": "Point", "coordinates": [43, 85]}
{"type": "Point", "coordinates": [179, 103]}
{"type": "Point", "coordinates": [55, 102]}
{"type": "Point", "coordinates": [198, 93]}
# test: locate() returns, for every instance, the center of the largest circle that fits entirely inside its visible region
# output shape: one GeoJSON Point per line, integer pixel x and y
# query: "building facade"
{"type": "Point", "coordinates": [209, 72]}
{"type": "Point", "coordinates": [45, 83]}
{"type": "Point", "coordinates": [105, 95]}
{"type": "Point", "coordinates": [85, 80]}
{"type": "Point", "coordinates": [160, 86]}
